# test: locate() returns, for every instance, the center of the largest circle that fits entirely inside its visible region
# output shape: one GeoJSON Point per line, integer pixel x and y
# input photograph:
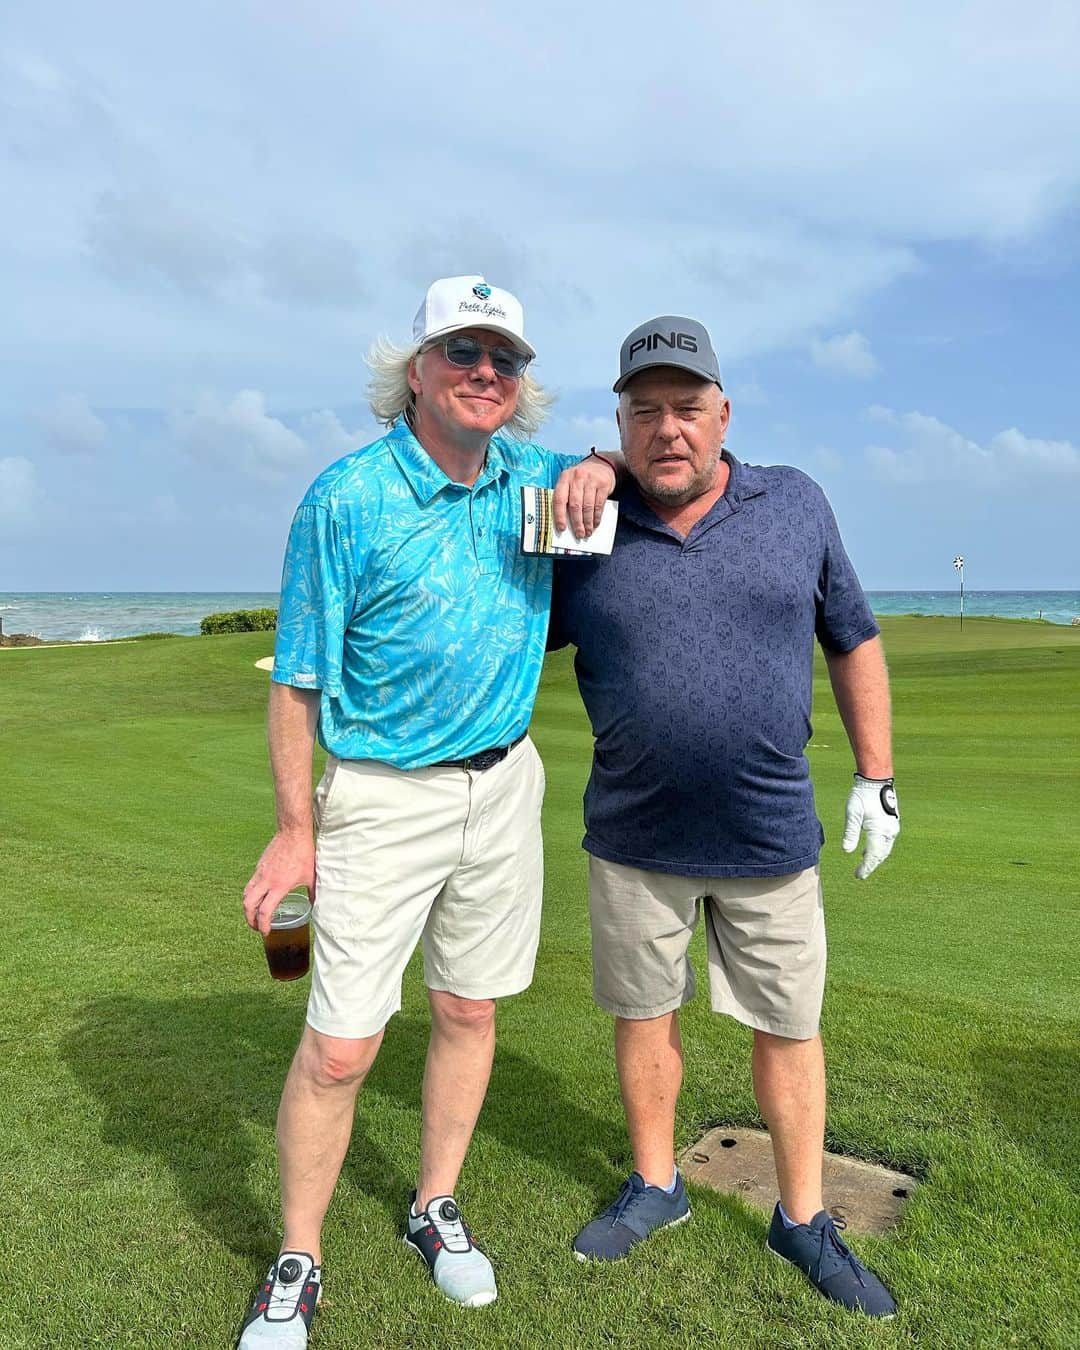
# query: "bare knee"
{"type": "Point", "coordinates": [766, 1042]}
{"type": "Point", "coordinates": [333, 1061]}
{"type": "Point", "coordinates": [455, 1015]}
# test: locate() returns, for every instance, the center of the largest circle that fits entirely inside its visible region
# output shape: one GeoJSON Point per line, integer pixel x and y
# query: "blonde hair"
{"type": "Point", "coordinates": [390, 397]}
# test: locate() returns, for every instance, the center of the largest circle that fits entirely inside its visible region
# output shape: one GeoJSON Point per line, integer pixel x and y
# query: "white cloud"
{"type": "Point", "coordinates": [1053, 457]}
{"type": "Point", "coordinates": [846, 354]}
{"type": "Point", "coordinates": [329, 439]}
{"type": "Point", "coordinates": [19, 494]}
{"type": "Point", "coordinates": [73, 427]}
{"type": "Point", "coordinates": [240, 432]}
{"type": "Point", "coordinates": [930, 451]}
{"type": "Point", "coordinates": [772, 285]}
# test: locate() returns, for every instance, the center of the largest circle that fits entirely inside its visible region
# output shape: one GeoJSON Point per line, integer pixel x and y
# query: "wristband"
{"type": "Point", "coordinates": [888, 793]}
{"type": "Point", "coordinates": [603, 460]}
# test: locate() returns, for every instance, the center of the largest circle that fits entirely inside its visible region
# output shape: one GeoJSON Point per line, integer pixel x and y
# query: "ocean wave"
{"type": "Point", "coordinates": [89, 635]}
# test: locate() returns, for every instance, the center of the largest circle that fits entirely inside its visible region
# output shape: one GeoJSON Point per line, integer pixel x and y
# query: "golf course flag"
{"type": "Point", "coordinates": [958, 563]}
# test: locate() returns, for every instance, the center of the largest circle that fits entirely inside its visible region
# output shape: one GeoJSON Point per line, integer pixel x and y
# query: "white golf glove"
{"type": "Point", "coordinates": [871, 806]}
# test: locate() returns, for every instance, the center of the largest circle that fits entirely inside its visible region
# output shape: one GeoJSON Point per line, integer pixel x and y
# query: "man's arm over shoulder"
{"type": "Point", "coordinates": [582, 485]}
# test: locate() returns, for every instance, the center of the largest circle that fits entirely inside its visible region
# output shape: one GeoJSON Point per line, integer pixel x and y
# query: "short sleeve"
{"type": "Point", "coordinates": [318, 595]}
{"type": "Point", "coordinates": [843, 618]}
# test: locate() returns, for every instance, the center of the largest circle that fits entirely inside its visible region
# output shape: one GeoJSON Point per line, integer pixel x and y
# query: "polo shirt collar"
{"type": "Point", "coordinates": [745, 481]}
{"type": "Point", "coordinates": [421, 472]}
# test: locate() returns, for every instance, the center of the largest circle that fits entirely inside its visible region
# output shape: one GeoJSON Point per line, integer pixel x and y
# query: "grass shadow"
{"type": "Point", "coordinates": [527, 1109]}
{"type": "Point", "coordinates": [180, 1080]}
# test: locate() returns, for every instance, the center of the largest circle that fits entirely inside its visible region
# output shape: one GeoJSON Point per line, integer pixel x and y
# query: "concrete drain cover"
{"type": "Point", "coordinates": [740, 1162]}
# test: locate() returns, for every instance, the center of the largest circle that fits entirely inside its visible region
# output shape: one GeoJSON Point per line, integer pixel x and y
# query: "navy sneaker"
{"type": "Point", "coordinates": [459, 1268]}
{"type": "Point", "coordinates": [638, 1211]}
{"type": "Point", "coordinates": [817, 1249]}
{"type": "Point", "coordinates": [282, 1310]}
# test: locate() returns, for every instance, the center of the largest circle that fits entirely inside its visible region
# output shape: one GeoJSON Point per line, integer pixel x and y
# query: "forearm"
{"type": "Point", "coordinates": [291, 723]}
{"type": "Point", "coordinates": [860, 682]}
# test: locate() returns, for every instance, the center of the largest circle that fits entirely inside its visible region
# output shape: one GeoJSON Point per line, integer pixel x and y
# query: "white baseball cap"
{"type": "Point", "coordinates": [453, 303]}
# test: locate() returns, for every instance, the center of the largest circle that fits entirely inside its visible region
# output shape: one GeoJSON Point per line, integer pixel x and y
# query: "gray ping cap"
{"type": "Point", "coordinates": [668, 341]}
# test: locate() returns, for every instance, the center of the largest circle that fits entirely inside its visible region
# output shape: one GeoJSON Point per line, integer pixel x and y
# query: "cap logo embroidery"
{"type": "Point", "coordinates": [482, 290]}
{"type": "Point", "coordinates": [685, 342]}
{"type": "Point", "coordinates": [472, 307]}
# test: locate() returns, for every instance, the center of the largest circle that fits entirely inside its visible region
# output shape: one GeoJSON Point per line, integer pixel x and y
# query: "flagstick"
{"type": "Point", "coordinates": [958, 563]}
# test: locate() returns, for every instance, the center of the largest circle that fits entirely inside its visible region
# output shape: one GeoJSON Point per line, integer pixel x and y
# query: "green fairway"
{"type": "Point", "coordinates": [145, 1045]}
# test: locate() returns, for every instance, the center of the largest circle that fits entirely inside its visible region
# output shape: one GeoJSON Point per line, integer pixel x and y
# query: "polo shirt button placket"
{"type": "Point", "coordinates": [483, 536]}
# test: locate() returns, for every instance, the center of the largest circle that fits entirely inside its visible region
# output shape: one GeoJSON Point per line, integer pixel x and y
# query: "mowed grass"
{"type": "Point", "coordinates": [145, 1046]}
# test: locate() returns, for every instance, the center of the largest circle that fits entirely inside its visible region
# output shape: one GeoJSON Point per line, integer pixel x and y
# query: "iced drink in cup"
{"type": "Point", "coordinates": [288, 943]}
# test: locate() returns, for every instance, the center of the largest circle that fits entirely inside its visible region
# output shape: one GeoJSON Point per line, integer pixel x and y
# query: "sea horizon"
{"type": "Point", "coordinates": [95, 616]}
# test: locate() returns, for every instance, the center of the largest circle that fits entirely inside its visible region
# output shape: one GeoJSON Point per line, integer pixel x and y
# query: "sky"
{"type": "Point", "coordinates": [211, 211]}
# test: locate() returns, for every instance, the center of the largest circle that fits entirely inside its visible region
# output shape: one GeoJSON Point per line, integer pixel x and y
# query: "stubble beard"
{"type": "Point", "coordinates": [702, 482]}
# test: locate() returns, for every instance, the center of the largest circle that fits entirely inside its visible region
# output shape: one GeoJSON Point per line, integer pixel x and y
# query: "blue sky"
{"type": "Point", "coordinates": [212, 210]}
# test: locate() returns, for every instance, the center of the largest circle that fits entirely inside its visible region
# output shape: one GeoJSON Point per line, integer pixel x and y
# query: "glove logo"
{"type": "Point", "coordinates": [888, 801]}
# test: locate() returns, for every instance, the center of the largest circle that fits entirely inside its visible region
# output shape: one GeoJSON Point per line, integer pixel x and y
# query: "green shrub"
{"type": "Point", "coordinates": [240, 621]}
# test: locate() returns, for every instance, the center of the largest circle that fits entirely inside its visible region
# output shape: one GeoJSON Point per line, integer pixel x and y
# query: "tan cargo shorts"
{"type": "Point", "coordinates": [451, 856]}
{"type": "Point", "coordinates": [765, 938]}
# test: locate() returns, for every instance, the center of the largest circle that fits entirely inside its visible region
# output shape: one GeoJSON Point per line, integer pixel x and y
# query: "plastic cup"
{"type": "Point", "coordinates": [288, 944]}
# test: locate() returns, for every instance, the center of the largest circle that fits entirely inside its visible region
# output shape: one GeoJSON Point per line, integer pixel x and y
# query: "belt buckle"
{"type": "Point", "coordinates": [486, 759]}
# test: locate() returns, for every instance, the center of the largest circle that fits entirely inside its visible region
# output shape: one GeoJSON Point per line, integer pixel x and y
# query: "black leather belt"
{"type": "Point", "coordinates": [483, 759]}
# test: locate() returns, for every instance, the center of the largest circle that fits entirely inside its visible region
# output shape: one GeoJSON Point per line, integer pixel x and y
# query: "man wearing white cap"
{"type": "Point", "coordinates": [410, 641]}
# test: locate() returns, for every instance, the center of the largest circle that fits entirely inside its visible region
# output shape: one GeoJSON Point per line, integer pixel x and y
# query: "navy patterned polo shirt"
{"type": "Point", "coordinates": [694, 660]}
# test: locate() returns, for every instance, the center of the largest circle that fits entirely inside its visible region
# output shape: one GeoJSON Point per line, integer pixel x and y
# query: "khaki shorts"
{"type": "Point", "coordinates": [450, 855]}
{"type": "Point", "coordinates": [765, 939]}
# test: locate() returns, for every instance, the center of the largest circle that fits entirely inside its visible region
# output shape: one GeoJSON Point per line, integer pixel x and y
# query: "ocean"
{"type": "Point", "coordinates": [94, 616]}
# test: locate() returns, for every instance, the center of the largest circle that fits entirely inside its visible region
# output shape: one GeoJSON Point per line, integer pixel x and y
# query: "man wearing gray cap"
{"type": "Point", "coordinates": [410, 640]}
{"type": "Point", "coordinates": [694, 660]}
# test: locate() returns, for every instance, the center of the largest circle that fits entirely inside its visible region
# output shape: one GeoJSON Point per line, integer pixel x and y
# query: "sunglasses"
{"type": "Point", "coordinates": [465, 352]}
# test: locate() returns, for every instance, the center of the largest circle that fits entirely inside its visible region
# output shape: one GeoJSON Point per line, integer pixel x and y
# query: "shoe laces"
{"type": "Point", "coordinates": [834, 1253]}
{"type": "Point", "coordinates": [445, 1219]}
{"type": "Point", "coordinates": [627, 1197]}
